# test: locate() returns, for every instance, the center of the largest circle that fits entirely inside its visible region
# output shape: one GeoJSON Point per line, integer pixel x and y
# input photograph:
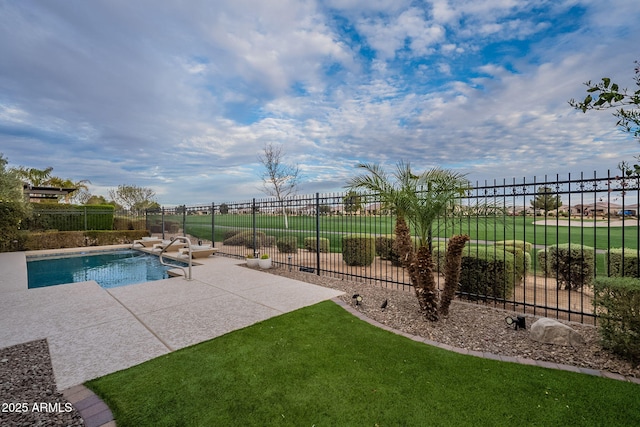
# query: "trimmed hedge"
{"type": "Point", "coordinates": [623, 262]}
{"type": "Point", "coordinates": [571, 265]}
{"type": "Point", "coordinates": [521, 244]}
{"type": "Point", "coordinates": [53, 216]}
{"type": "Point", "coordinates": [358, 249]}
{"type": "Point", "coordinates": [617, 300]}
{"type": "Point", "coordinates": [287, 244]}
{"type": "Point", "coordinates": [245, 238]}
{"type": "Point", "coordinates": [76, 239]}
{"type": "Point", "coordinates": [487, 273]}
{"type": "Point", "coordinates": [385, 249]}
{"type": "Point", "coordinates": [310, 244]}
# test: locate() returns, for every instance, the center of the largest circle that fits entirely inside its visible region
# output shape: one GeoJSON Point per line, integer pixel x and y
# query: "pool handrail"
{"type": "Point", "coordinates": [175, 239]}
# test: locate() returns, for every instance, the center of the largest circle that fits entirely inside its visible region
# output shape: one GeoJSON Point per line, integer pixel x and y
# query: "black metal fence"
{"type": "Point", "coordinates": [557, 235]}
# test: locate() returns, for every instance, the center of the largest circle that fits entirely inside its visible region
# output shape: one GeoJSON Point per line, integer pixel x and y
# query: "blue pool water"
{"type": "Point", "coordinates": [109, 269]}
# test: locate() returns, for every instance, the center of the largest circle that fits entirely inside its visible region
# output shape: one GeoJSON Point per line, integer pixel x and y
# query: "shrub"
{"type": "Point", "coordinates": [617, 300]}
{"type": "Point", "coordinates": [358, 249]}
{"type": "Point", "coordinates": [288, 244]}
{"type": "Point", "coordinates": [230, 233]}
{"type": "Point", "coordinates": [386, 250]}
{"type": "Point", "coordinates": [521, 244]}
{"type": "Point", "coordinates": [245, 238]}
{"type": "Point", "coordinates": [310, 244]}
{"type": "Point", "coordinates": [438, 254]}
{"type": "Point", "coordinates": [48, 216]}
{"type": "Point", "coordinates": [486, 273]}
{"type": "Point", "coordinates": [623, 262]}
{"type": "Point", "coordinates": [124, 223]}
{"type": "Point", "coordinates": [572, 265]}
{"type": "Point", "coordinates": [75, 239]}
{"type": "Point", "coordinates": [521, 259]}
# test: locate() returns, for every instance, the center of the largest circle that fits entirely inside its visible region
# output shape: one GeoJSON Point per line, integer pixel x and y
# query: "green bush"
{"type": "Point", "coordinates": [358, 249]}
{"type": "Point", "coordinates": [617, 301]}
{"type": "Point", "coordinates": [439, 255]}
{"type": "Point", "coordinates": [76, 239]}
{"type": "Point", "coordinates": [11, 216]}
{"type": "Point", "coordinates": [288, 244]}
{"type": "Point", "coordinates": [245, 238]}
{"type": "Point", "coordinates": [53, 216]}
{"type": "Point", "coordinates": [385, 249]}
{"type": "Point", "coordinates": [310, 244]}
{"type": "Point", "coordinates": [169, 226]}
{"type": "Point", "coordinates": [521, 259]}
{"type": "Point", "coordinates": [571, 265]}
{"type": "Point", "coordinates": [487, 273]}
{"type": "Point", "coordinates": [623, 262]}
{"type": "Point", "coordinates": [525, 246]}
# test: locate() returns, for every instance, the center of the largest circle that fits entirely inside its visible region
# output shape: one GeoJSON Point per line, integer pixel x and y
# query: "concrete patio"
{"type": "Point", "coordinates": [93, 331]}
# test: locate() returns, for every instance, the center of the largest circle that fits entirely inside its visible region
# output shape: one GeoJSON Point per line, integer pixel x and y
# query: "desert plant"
{"type": "Point", "coordinates": [617, 301]}
{"type": "Point", "coordinates": [623, 262]}
{"type": "Point", "coordinates": [264, 256]}
{"type": "Point", "coordinates": [310, 244]}
{"type": "Point", "coordinates": [385, 249]}
{"type": "Point", "coordinates": [358, 249]}
{"type": "Point", "coordinates": [245, 238]}
{"type": "Point", "coordinates": [288, 244]}
{"type": "Point", "coordinates": [572, 265]}
{"type": "Point", "coordinates": [419, 199]}
{"type": "Point", "coordinates": [486, 273]}
{"type": "Point", "coordinates": [452, 271]}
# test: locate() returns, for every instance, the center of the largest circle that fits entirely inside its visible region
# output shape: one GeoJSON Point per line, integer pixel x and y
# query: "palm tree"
{"type": "Point", "coordinates": [419, 199]}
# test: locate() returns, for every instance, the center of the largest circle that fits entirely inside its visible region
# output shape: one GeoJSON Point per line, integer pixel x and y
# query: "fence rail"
{"type": "Point", "coordinates": [306, 233]}
{"type": "Point", "coordinates": [597, 217]}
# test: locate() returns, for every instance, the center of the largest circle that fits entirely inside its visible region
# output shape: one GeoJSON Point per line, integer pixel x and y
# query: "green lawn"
{"type": "Point", "coordinates": [322, 366]}
{"type": "Point", "coordinates": [485, 229]}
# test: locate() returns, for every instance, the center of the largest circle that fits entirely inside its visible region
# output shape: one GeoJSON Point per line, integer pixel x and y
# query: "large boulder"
{"type": "Point", "coordinates": [551, 331]}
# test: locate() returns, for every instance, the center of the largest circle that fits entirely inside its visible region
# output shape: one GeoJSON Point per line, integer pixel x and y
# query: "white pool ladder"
{"type": "Point", "coordinates": [188, 242]}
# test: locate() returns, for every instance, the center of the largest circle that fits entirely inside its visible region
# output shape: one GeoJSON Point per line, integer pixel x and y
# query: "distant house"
{"type": "Point", "coordinates": [596, 209]}
{"type": "Point", "coordinates": [39, 194]}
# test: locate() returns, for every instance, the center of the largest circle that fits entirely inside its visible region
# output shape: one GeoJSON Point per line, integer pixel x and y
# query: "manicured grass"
{"type": "Point", "coordinates": [484, 229]}
{"type": "Point", "coordinates": [322, 366]}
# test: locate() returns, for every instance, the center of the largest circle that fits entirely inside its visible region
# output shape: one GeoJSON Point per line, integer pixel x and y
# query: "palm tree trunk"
{"type": "Point", "coordinates": [426, 292]}
{"type": "Point", "coordinates": [452, 271]}
{"type": "Point", "coordinates": [420, 269]}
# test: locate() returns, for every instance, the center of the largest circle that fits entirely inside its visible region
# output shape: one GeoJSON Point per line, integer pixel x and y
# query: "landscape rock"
{"type": "Point", "coordinates": [551, 331]}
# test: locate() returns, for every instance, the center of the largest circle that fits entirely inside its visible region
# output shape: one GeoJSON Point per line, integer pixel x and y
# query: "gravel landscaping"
{"type": "Point", "coordinates": [28, 393]}
{"type": "Point", "coordinates": [470, 326]}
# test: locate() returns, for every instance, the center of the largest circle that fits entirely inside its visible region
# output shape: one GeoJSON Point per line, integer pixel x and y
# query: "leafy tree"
{"type": "Point", "coordinates": [224, 208]}
{"type": "Point", "coordinates": [419, 199]}
{"type": "Point", "coordinates": [606, 95]}
{"type": "Point", "coordinates": [546, 199]}
{"type": "Point", "coordinates": [134, 198]}
{"type": "Point", "coordinates": [279, 179]}
{"type": "Point", "coordinates": [13, 208]}
{"type": "Point", "coordinates": [43, 178]}
{"type": "Point", "coordinates": [352, 202]}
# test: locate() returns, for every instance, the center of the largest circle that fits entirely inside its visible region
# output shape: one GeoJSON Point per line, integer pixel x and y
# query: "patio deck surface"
{"type": "Point", "coordinates": [93, 331]}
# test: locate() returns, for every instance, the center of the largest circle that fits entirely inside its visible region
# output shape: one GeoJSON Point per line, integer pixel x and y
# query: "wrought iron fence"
{"type": "Point", "coordinates": [537, 255]}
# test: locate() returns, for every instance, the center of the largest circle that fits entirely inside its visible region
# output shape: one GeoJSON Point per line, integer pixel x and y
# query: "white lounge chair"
{"type": "Point", "coordinates": [147, 242]}
{"type": "Point", "coordinates": [165, 244]}
{"type": "Point", "coordinates": [198, 251]}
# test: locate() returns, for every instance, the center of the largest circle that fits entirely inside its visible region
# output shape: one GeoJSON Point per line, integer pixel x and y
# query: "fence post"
{"type": "Point", "coordinates": [253, 218]}
{"type": "Point", "coordinates": [213, 224]}
{"type": "Point", "coordinates": [163, 223]}
{"type": "Point", "coordinates": [318, 234]}
{"type": "Point", "coordinates": [85, 219]}
{"type": "Point", "coordinates": [184, 220]}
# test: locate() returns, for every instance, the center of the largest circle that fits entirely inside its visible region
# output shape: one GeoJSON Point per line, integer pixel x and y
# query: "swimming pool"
{"type": "Point", "coordinates": [110, 269]}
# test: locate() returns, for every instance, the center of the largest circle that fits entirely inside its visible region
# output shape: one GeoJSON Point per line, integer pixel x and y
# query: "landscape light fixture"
{"type": "Point", "coordinates": [519, 322]}
{"type": "Point", "coordinates": [289, 257]}
{"type": "Point", "coordinates": [358, 298]}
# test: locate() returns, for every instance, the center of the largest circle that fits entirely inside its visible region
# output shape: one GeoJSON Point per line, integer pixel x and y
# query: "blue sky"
{"type": "Point", "coordinates": [182, 96]}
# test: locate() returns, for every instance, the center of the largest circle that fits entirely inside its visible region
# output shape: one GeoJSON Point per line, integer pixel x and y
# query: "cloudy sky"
{"type": "Point", "coordinates": [182, 96]}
